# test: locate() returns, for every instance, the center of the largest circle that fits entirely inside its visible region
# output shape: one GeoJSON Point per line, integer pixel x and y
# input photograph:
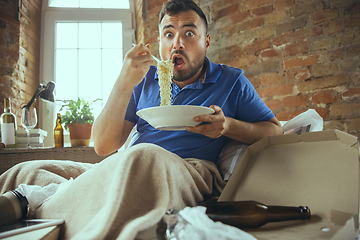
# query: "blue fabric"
{"type": "Point", "coordinates": [224, 86]}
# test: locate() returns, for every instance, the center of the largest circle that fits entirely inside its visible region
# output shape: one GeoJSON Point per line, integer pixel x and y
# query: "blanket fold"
{"type": "Point", "coordinates": [124, 194]}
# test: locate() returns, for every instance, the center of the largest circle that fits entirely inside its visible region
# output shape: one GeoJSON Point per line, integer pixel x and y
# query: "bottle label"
{"type": "Point", "coordinates": [8, 133]}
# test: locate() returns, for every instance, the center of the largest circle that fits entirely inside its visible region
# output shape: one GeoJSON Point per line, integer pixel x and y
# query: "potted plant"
{"type": "Point", "coordinates": [78, 119]}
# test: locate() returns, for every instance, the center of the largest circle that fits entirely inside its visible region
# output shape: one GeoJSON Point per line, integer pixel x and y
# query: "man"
{"type": "Point", "coordinates": [131, 190]}
{"type": "Point", "coordinates": [239, 112]}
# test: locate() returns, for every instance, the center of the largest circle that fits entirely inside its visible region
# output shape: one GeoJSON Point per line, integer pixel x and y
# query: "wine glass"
{"type": "Point", "coordinates": [28, 121]}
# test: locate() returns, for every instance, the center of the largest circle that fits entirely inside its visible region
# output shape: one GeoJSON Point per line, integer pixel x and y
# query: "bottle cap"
{"type": "Point", "coordinates": [305, 211]}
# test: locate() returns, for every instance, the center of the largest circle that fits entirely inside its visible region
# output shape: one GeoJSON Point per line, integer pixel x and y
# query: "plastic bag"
{"type": "Point", "coordinates": [194, 224]}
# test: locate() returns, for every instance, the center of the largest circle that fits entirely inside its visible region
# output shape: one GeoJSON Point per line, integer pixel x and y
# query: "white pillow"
{"type": "Point", "coordinates": [229, 157]}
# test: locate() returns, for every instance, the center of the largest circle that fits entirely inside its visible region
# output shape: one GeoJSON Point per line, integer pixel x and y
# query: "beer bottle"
{"type": "Point", "coordinates": [252, 214]}
{"type": "Point", "coordinates": [58, 132]}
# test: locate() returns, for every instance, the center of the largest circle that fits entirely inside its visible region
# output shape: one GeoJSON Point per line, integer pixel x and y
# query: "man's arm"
{"type": "Point", "coordinates": [110, 129]}
{"type": "Point", "coordinates": [245, 132]}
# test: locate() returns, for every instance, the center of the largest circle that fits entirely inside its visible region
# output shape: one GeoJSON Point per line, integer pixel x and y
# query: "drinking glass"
{"type": "Point", "coordinates": [28, 121]}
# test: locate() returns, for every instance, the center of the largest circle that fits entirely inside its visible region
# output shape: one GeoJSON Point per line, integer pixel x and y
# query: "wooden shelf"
{"type": "Point", "coordinates": [12, 156]}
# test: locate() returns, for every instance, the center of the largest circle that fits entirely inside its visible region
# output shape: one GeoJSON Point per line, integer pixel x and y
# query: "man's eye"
{"type": "Point", "coordinates": [189, 34]}
{"type": "Point", "coordinates": [168, 35]}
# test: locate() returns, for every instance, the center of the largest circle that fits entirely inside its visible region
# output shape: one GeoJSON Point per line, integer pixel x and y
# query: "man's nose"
{"type": "Point", "coordinates": [178, 44]}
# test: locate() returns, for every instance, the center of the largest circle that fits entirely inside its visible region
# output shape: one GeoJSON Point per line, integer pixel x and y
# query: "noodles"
{"type": "Point", "coordinates": [165, 73]}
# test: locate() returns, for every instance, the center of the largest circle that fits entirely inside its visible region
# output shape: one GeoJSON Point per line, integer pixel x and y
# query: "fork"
{"type": "Point", "coordinates": [156, 59]}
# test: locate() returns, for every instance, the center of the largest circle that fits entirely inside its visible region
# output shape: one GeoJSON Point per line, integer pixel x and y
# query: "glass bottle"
{"type": "Point", "coordinates": [58, 132]}
{"type": "Point", "coordinates": [8, 125]}
{"type": "Point", "coordinates": [252, 214]}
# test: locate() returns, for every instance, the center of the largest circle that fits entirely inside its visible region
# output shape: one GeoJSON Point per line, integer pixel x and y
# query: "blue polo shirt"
{"type": "Point", "coordinates": [224, 86]}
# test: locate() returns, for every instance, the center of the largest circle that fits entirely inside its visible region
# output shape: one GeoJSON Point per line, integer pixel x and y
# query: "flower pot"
{"type": "Point", "coordinates": [80, 134]}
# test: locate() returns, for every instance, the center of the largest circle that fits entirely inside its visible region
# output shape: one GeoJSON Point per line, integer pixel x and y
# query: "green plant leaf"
{"type": "Point", "coordinates": [77, 112]}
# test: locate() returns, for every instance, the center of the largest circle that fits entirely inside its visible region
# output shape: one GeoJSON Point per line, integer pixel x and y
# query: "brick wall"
{"type": "Point", "coordinates": [299, 54]}
{"type": "Point", "coordinates": [19, 52]}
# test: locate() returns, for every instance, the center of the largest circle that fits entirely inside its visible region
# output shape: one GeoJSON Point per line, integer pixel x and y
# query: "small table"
{"type": "Point", "coordinates": [9, 157]}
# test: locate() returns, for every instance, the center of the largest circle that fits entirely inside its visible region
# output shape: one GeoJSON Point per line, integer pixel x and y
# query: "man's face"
{"type": "Point", "coordinates": [183, 39]}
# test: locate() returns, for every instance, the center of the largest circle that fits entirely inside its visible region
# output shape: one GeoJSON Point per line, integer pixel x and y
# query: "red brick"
{"type": "Point", "coordinates": [270, 54]}
{"type": "Point", "coordinates": [322, 112]}
{"type": "Point", "coordinates": [264, 67]}
{"type": "Point", "coordinates": [239, 17]}
{"type": "Point", "coordinates": [262, 10]}
{"type": "Point", "coordinates": [325, 15]}
{"type": "Point", "coordinates": [292, 37]}
{"type": "Point", "coordinates": [247, 25]}
{"type": "Point", "coordinates": [251, 24]}
{"type": "Point", "coordinates": [280, 4]}
{"type": "Point", "coordinates": [225, 12]}
{"type": "Point", "coordinates": [295, 101]}
{"type": "Point", "coordinates": [257, 46]}
{"type": "Point", "coordinates": [314, 31]}
{"type": "Point", "coordinates": [344, 110]}
{"type": "Point", "coordinates": [274, 105]}
{"type": "Point", "coordinates": [286, 116]}
{"type": "Point", "coordinates": [352, 21]}
{"type": "Point", "coordinates": [255, 3]}
{"type": "Point", "coordinates": [271, 79]}
{"type": "Point", "coordinates": [328, 42]}
{"type": "Point", "coordinates": [322, 83]}
{"type": "Point", "coordinates": [353, 91]}
{"type": "Point", "coordinates": [218, 4]}
{"type": "Point", "coordinates": [321, 70]}
{"type": "Point", "coordinates": [290, 26]}
{"type": "Point", "coordinates": [354, 8]}
{"type": "Point", "coordinates": [276, 17]}
{"type": "Point", "coordinates": [301, 61]}
{"type": "Point", "coordinates": [332, 27]}
{"type": "Point", "coordinates": [303, 8]}
{"type": "Point", "coordinates": [276, 91]}
{"type": "Point", "coordinates": [295, 49]}
{"type": "Point", "coordinates": [243, 61]}
{"type": "Point", "coordinates": [298, 74]}
{"type": "Point", "coordinates": [324, 97]}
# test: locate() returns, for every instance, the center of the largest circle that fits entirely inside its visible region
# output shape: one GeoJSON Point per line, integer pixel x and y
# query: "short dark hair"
{"type": "Point", "coordinates": [176, 6]}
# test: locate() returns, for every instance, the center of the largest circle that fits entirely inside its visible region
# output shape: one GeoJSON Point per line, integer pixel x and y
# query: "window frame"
{"type": "Point", "coordinates": [50, 16]}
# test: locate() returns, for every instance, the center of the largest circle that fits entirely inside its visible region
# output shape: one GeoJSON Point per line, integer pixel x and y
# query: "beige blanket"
{"type": "Point", "coordinates": [124, 194]}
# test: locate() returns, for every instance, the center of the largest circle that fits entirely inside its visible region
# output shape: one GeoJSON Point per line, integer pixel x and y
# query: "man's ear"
{"type": "Point", "coordinates": [207, 42]}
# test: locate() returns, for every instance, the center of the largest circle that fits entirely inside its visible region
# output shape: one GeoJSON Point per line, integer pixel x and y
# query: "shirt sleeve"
{"type": "Point", "coordinates": [132, 106]}
{"type": "Point", "coordinates": [251, 108]}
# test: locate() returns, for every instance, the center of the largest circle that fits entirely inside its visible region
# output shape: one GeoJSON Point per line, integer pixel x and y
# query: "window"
{"type": "Point", "coordinates": [90, 3]}
{"type": "Point", "coordinates": [83, 46]}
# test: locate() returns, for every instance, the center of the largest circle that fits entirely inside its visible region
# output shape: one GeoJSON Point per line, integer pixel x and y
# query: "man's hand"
{"type": "Point", "coordinates": [136, 64]}
{"type": "Point", "coordinates": [215, 126]}
{"type": "Point", "coordinates": [248, 133]}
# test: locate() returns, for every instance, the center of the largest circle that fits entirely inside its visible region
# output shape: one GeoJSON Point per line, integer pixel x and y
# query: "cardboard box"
{"type": "Point", "coordinates": [317, 169]}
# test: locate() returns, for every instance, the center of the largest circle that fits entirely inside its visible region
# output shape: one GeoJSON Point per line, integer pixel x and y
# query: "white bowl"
{"type": "Point", "coordinates": [173, 118]}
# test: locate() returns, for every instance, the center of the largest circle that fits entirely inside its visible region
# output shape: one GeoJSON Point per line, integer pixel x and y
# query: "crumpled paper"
{"type": "Point", "coordinates": [36, 195]}
{"type": "Point", "coordinates": [309, 117]}
{"type": "Point", "coordinates": [201, 227]}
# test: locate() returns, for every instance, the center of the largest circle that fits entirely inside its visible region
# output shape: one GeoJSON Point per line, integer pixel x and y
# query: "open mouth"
{"type": "Point", "coordinates": [178, 61]}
